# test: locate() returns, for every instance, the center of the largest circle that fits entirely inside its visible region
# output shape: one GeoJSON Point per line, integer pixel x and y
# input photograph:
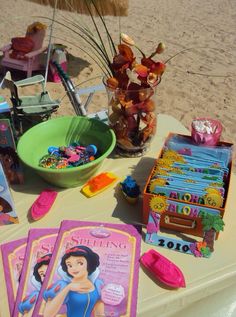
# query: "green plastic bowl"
{"type": "Point", "coordinates": [34, 143]}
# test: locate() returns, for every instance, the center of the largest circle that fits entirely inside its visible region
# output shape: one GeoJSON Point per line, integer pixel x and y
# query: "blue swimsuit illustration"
{"type": "Point", "coordinates": [80, 289]}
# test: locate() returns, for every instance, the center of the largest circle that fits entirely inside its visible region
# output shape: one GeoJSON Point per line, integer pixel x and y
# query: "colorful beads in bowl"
{"type": "Point", "coordinates": [68, 156]}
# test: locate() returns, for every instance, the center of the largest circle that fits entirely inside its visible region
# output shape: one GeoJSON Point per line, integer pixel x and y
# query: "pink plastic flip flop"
{"type": "Point", "coordinates": [43, 203]}
{"type": "Point", "coordinates": [163, 269]}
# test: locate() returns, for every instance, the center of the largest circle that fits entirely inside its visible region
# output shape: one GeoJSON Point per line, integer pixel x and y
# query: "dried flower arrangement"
{"type": "Point", "coordinates": [130, 83]}
{"type": "Point", "coordinates": [131, 88]}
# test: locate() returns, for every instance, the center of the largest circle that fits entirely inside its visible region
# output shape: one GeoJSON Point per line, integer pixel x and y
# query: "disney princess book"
{"type": "Point", "coordinates": [8, 156]}
{"type": "Point", "coordinates": [7, 209]}
{"type": "Point", "coordinates": [38, 252]}
{"type": "Point", "coordinates": [13, 254]}
{"type": "Point", "coordinates": [93, 271]}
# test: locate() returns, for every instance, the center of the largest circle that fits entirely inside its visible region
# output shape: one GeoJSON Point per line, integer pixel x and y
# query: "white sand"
{"type": "Point", "coordinates": [199, 82]}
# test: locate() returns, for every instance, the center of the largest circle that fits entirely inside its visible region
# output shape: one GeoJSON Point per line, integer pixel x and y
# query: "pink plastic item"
{"type": "Point", "coordinates": [163, 269]}
{"type": "Point", "coordinates": [212, 133]}
{"type": "Point", "coordinates": [43, 203]}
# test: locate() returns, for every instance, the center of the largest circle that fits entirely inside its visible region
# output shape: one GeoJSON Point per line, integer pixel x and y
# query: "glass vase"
{"type": "Point", "coordinates": [132, 116]}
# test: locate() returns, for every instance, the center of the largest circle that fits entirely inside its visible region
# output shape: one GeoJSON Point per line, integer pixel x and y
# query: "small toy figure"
{"type": "Point", "coordinates": [130, 189]}
{"type": "Point", "coordinates": [153, 224]}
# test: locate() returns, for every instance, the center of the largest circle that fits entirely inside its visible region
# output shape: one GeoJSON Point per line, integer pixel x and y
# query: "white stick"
{"type": "Point", "coordinates": [50, 44]}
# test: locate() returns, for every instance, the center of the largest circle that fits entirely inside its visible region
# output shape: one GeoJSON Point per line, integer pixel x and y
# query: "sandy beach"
{"type": "Point", "coordinates": [199, 82]}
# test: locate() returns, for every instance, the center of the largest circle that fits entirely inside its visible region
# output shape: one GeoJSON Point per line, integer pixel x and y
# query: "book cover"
{"type": "Point", "coordinates": [7, 208]}
{"type": "Point", "coordinates": [13, 254]}
{"type": "Point", "coordinates": [4, 106]}
{"type": "Point", "coordinates": [38, 254]}
{"type": "Point", "coordinates": [8, 156]}
{"type": "Point", "coordinates": [93, 271]}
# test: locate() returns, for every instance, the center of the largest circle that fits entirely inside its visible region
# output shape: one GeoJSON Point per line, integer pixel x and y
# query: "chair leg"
{"type": "Point", "coordinates": [30, 67]}
{"type": "Point", "coordinates": [29, 72]}
{"type": "Point", "coordinates": [17, 124]}
{"type": "Point", "coordinates": [21, 128]}
{"type": "Point", "coordinates": [4, 70]}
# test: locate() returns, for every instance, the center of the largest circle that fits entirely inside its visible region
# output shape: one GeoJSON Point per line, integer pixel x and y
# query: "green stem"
{"type": "Point", "coordinates": [139, 50]}
{"type": "Point", "coordinates": [98, 33]}
{"type": "Point", "coordinates": [95, 47]}
{"type": "Point", "coordinates": [90, 37]}
{"type": "Point", "coordinates": [99, 61]}
{"type": "Point", "coordinates": [108, 33]}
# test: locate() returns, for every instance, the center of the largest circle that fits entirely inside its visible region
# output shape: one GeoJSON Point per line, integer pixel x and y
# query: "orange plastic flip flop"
{"type": "Point", "coordinates": [43, 203]}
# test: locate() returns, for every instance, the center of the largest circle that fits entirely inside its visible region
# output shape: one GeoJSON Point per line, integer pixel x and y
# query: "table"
{"type": "Point", "coordinates": [205, 278]}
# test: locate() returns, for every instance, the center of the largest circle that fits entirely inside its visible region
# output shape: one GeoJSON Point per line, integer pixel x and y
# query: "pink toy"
{"type": "Point", "coordinates": [163, 269]}
{"type": "Point", "coordinates": [153, 226]}
{"type": "Point", "coordinates": [59, 56]}
{"type": "Point", "coordinates": [30, 61]}
{"type": "Point", "coordinates": [206, 131]}
{"type": "Point", "coordinates": [43, 203]}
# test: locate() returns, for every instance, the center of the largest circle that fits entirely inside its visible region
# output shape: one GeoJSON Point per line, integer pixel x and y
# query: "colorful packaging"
{"type": "Point", "coordinates": [7, 209]}
{"type": "Point", "coordinates": [13, 254]}
{"type": "Point", "coordinates": [190, 176]}
{"type": "Point", "coordinates": [93, 271]}
{"type": "Point", "coordinates": [8, 156]}
{"type": "Point", "coordinates": [39, 250]}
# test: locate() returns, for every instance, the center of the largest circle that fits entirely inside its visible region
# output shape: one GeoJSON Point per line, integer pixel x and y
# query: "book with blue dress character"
{"type": "Point", "coordinates": [39, 249]}
{"type": "Point", "coordinates": [7, 209]}
{"type": "Point", "coordinates": [93, 271]}
{"type": "Point", "coordinates": [8, 156]}
{"type": "Point", "coordinates": [13, 254]}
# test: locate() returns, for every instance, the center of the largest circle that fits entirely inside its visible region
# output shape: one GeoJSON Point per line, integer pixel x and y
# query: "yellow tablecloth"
{"type": "Point", "coordinates": [204, 277]}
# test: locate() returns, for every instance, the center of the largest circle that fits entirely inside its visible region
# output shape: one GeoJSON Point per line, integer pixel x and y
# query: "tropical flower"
{"type": "Point", "coordinates": [200, 249]}
{"type": "Point", "coordinates": [116, 61]}
{"type": "Point", "coordinates": [130, 80]}
{"type": "Point", "coordinates": [127, 70]}
{"type": "Point", "coordinates": [126, 39]}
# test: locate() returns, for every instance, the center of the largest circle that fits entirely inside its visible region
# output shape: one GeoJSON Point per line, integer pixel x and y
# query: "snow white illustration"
{"type": "Point", "coordinates": [39, 272]}
{"type": "Point", "coordinates": [80, 288]}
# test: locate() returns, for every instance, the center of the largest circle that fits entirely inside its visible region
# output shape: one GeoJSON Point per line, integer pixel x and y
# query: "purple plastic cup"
{"type": "Point", "coordinates": [206, 131]}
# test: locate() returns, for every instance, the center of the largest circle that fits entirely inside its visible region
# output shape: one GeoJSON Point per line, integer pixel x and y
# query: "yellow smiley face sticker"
{"type": "Point", "coordinates": [164, 162]}
{"type": "Point", "coordinates": [160, 171]}
{"type": "Point", "coordinates": [173, 155]}
{"type": "Point", "coordinates": [156, 182]}
{"type": "Point", "coordinates": [213, 200]}
{"type": "Point", "coordinates": [158, 204]}
{"type": "Point", "coordinates": [213, 197]}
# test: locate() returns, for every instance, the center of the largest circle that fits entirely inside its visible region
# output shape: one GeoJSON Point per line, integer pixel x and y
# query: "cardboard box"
{"type": "Point", "coordinates": [187, 219]}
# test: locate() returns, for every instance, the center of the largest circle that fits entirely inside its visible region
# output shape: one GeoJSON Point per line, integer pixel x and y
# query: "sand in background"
{"type": "Point", "coordinates": [200, 82]}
